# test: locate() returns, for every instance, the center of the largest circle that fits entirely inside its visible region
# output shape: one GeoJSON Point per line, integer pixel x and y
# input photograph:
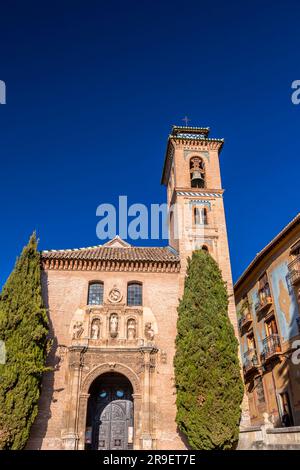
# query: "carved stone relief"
{"type": "Point", "coordinates": [149, 331]}
{"type": "Point", "coordinates": [78, 330]}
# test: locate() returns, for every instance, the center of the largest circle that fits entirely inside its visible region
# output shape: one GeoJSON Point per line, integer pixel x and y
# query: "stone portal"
{"type": "Point", "coordinates": [110, 421]}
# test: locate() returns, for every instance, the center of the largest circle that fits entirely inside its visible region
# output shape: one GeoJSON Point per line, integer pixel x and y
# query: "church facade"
{"type": "Point", "coordinates": [113, 313]}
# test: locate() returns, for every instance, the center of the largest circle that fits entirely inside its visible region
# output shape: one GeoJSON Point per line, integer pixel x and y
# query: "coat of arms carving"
{"type": "Point", "coordinates": [114, 295]}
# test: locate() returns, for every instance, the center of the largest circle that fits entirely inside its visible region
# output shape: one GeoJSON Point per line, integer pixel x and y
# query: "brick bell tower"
{"type": "Point", "coordinates": [195, 197]}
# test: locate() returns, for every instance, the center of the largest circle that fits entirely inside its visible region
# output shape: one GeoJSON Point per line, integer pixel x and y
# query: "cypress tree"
{"type": "Point", "coordinates": [23, 328]}
{"type": "Point", "coordinates": [207, 372]}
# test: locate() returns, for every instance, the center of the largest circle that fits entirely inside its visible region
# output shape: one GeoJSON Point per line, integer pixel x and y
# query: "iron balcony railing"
{"type": "Point", "coordinates": [245, 320]}
{"type": "Point", "coordinates": [250, 361]}
{"type": "Point", "coordinates": [263, 303]}
{"type": "Point", "coordinates": [271, 347]}
{"type": "Point", "coordinates": [294, 271]}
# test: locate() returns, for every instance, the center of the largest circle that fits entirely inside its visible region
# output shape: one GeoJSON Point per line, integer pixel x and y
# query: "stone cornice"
{"type": "Point", "coordinates": [207, 142]}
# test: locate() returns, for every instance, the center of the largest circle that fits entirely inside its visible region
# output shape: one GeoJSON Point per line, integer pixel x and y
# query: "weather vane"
{"type": "Point", "coordinates": [186, 120]}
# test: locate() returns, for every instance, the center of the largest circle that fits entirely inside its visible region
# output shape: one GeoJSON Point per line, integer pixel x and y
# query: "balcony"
{"type": "Point", "coordinates": [250, 362]}
{"type": "Point", "coordinates": [263, 304]}
{"type": "Point", "coordinates": [294, 271]}
{"type": "Point", "coordinates": [271, 347]}
{"type": "Point", "coordinates": [245, 320]}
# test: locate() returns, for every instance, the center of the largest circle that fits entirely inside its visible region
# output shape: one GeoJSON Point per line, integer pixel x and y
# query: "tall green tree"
{"type": "Point", "coordinates": [207, 371]}
{"type": "Point", "coordinates": [23, 328]}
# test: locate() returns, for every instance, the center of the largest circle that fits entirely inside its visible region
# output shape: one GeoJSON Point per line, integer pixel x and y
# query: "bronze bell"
{"type": "Point", "coordinates": [197, 179]}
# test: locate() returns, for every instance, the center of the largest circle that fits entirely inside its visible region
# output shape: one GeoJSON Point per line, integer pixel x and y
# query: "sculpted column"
{"type": "Point", "coordinates": [148, 365]}
{"type": "Point", "coordinates": [69, 433]}
{"type": "Point", "coordinates": [81, 422]}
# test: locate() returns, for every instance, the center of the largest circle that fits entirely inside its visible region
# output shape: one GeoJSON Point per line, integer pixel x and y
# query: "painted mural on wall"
{"type": "Point", "coordinates": [243, 338]}
{"type": "Point", "coordinates": [258, 324]}
{"type": "Point", "coordinates": [285, 301]}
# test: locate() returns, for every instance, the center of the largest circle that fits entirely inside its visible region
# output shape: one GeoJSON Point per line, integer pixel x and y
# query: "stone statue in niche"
{"type": "Point", "coordinates": [95, 329]}
{"type": "Point", "coordinates": [149, 331]}
{"type": "Point", "coordinates": [77, 330]}
{"type": "Point", "coordinates": [131, 329]}
{"type": "Point", "coordinates": [113, 325]}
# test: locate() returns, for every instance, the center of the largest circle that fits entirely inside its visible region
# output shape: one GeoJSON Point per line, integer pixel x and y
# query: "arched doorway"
{"type": "Point", "coordinates": [109, 423]}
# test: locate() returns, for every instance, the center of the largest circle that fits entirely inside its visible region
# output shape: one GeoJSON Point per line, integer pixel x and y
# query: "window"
{"type": "Point", "coordinates": [197, 172]}
{"type": "Point", "coordinates": [295, 249]}
{"type": "Point", "coordinates": [286, 412]}
{"type": "Point", "coordinates": [251, 342]}
{"type": "Point", "coordinates": [264, 289]}
{"type": "Point", "coordinates": [296, 252]}
{"type": "Point", "coordinates": [95, 296]}
{"type": "Point", "coordinates": [204, 216]}
{"type": "Point", "coordinates": [204, 248]}
{"type": "Point", "coordinates": [196, 216]}
{"type": "Point", "coordinates": [271, 327]}
{"type": "Point", "coordinates": [134, 294]}
{"type": "Point", "coordinates": [200, 216]}
{"type": "Point", "coordinates": [259, 387]}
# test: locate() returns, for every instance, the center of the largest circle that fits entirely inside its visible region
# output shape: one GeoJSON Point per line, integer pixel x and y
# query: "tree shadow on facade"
{"type": "Point", "coordinates": [184, 439]}
{"type": "Point", "coordinates": [40, 425]}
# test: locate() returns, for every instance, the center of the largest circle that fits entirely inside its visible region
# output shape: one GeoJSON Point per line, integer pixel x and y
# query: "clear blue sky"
{"type": "Point", "coordinates": [94, 87]}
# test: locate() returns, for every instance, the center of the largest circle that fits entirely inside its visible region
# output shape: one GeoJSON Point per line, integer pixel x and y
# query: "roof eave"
{"type": "Point", "coordinates": [254, 263]}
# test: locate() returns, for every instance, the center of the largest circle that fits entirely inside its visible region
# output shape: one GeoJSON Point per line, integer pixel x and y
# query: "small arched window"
{"type": "Point", "coordinates": [204, 248]}
{"type": "Point", "coordinates": [95, 296]}
{"type": "Point", "coordinates": [197, 172]}
{"type": "Point", "coordinates": [134, 293]}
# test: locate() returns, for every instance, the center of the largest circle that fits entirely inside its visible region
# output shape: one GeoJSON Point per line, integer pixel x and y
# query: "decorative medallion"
{"type": "Point", "coordinates": [114, 295]}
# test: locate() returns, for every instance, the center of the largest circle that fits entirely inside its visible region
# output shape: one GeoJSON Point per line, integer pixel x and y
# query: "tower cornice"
{"type": "Point", "coordinates": [192, 192]}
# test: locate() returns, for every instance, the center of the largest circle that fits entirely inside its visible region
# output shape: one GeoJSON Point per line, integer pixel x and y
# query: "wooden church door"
{"type": "Point", "coordinates": [115, 424]}
{"type": "Point", "coordinates": [110, 413]}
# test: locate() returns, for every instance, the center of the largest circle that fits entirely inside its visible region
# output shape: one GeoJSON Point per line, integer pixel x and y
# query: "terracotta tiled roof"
{"type": "Point", "coordinates": [102, 253]}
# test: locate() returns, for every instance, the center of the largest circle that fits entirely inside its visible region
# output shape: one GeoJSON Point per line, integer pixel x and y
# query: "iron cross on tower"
{"type": "Point", "coordinates": [186, 120]}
